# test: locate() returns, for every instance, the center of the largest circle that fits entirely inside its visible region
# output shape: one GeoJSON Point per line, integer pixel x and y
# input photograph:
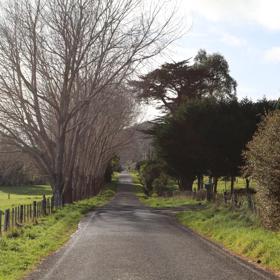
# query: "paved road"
{"type": "Point", "coordinates": [127, 241]}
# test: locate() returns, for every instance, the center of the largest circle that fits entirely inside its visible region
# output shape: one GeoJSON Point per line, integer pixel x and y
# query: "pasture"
{"type": "Point", "coordinates": [11, 196]}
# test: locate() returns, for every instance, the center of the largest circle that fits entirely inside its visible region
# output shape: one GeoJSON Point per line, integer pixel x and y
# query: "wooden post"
{"type": "Point", "coordinates": [27, 213]}
{"type": "Point", "coordinates": [52, 204]}
{"type": "Point", "coordinates": [44, 205]}
{"type": "Point", "coordinates": [18, 213]}
{"type": "Point", "coordinates": [21, 214]}
{"type": "Point", "coordinates": [48, 207]}
{"type": "Point", "coordinates": [234, 199]}
{"type": "Point", "coordinates": [7, 220]}
{"type": "Point", "coordinates": [13, 217]}
{"type": "Point", "coordinates": [225, 197]}
{"type": "Point", "coordinates": [209, 191]}
{"type": "Point", "coordinates": [34, 210]}
{"type": "Point", "coordinates": [1, 222]}
{"type": "Point", "coordinates": [38, 209]}
{"type": "Point", "coordinates": [16, 216]}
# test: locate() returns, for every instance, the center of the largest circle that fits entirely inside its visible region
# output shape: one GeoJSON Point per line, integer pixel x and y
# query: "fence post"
{"type": "Point", "coordinates": [24, 212]}
{"type": "Point", "coordinates": [27, 213]}
{"type": "Point", "coordinates": [44, 205]}
{"type": "Point", "coordinates": [234, 199]}
{"type": "Point", "coordinates": [225, 197]}
{"type": "Point", "coordinates": [52, 203]}
{"type": "Point", "coordinates": [249, 200]}
{"type": "Point", "coordinates": [18, 213]}
{"type": "Point", "coordinates": [39, 209]}
{"type": "Point", "coordinates": [194, 194]}
{"type": "Point", "coordinates": [209, 191]}
{"type": "Point", "coordinates": [21, 214]}
{"type": "Point", "coordinates": [13, 217]}
{"type": "Point", "coordinates": [7, 220]}
{"type": "Point", "coordinates": [34, 210]}
{"type": "Point", "coordinates": [1, 222]}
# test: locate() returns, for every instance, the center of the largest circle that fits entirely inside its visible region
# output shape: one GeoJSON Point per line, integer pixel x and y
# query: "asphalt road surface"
{"type": "Point", "coordinates": [128, 241]}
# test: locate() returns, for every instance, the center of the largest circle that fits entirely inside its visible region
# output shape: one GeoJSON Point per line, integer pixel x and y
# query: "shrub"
{"type": "Point", "coordinates": [160, 184]}
{"type": "Point", "coordinates": [149, 171]}
{"type": "Point", "coordinates": [263, 164]}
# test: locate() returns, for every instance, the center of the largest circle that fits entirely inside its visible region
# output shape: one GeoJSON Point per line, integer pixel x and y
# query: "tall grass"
{"type": "Point", "coordinates": [238, 230]}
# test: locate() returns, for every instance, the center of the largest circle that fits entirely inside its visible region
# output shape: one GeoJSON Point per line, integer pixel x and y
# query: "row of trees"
{"type": "Point", "coordinates": [64, 66]}
{"type": "Point", "coordinates": [207, 137]}
{"type": "Point", "coordinates": [207, 131]}
{"type": "Point", "coordinates": [205, 128]}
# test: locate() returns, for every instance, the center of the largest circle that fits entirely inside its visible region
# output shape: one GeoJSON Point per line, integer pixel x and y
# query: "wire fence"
{"type": "Point", "coordinates": [238, 198]}
{"type": "Point", "coordinates": [22, 214]}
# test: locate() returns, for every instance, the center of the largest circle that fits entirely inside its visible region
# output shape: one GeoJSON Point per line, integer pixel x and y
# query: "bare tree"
{"type": "Point", "coordinates": [57, 57]}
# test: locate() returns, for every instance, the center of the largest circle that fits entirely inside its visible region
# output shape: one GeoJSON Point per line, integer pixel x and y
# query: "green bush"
{"type": "Point", "coordinates": [160, 184]}
{"type": "Point", "coordinates": [149, 171]}
{"type": "Point", "coordinates": [263, 164]}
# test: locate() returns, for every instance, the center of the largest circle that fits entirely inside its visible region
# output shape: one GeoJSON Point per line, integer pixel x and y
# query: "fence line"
{"type": "Point", "coordinates": [237, 199]}
{"type": "Point", "coordinates": [23, 214]}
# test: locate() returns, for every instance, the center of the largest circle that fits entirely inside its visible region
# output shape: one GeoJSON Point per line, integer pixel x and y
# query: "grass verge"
{"type": "Point", "coordinates": [237, 230]}
{"type": "Point", "coordinates": [22, 249]}
{"type": "Point", "coordinates": [167, 202]}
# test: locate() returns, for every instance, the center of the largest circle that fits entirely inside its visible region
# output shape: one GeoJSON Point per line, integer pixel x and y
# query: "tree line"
{"type": "Point", "coordinates": [64, 67]}
{"type": "Point", "coordinates": [206, 130]}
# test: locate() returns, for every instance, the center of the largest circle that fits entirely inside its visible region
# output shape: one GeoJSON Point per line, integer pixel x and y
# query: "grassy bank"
{"type": "Point", "coordinates": [237, 230]}
{"type": "Point", "coordinates": [23, 248]}
{"type": "Point", "coordinates": [11, 196]}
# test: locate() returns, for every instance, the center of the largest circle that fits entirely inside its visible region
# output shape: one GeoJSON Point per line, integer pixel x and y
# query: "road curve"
{"type": "Point", "coordinates": [127, 241]}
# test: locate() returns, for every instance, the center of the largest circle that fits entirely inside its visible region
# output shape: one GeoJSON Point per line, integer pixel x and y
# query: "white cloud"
{"type": "Point", "coordinates": [272, 54]}
{"type": "Point", "coordinates": [232, 40]}
{"type": "Point", "coordinates": [262, 12]}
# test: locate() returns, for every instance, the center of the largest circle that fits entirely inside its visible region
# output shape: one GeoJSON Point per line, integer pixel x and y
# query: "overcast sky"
{"type": "Point", "coordinates": [246, 32]}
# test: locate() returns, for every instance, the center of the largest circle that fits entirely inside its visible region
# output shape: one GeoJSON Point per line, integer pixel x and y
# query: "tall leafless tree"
{"type": "Point", "coordinates": [58, 60]}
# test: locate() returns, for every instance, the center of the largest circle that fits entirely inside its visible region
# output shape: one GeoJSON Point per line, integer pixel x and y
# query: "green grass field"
{"type": "Point", "coordinates": [22, 195]}
{"type": "Point", "coordinates": [22, 249]}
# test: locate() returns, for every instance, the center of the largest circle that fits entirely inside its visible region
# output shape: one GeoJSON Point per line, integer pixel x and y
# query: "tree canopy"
{"type": "Point", "coordinates": [207, 137]}
{"type": "Point", "coordinates": [174, 83]}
